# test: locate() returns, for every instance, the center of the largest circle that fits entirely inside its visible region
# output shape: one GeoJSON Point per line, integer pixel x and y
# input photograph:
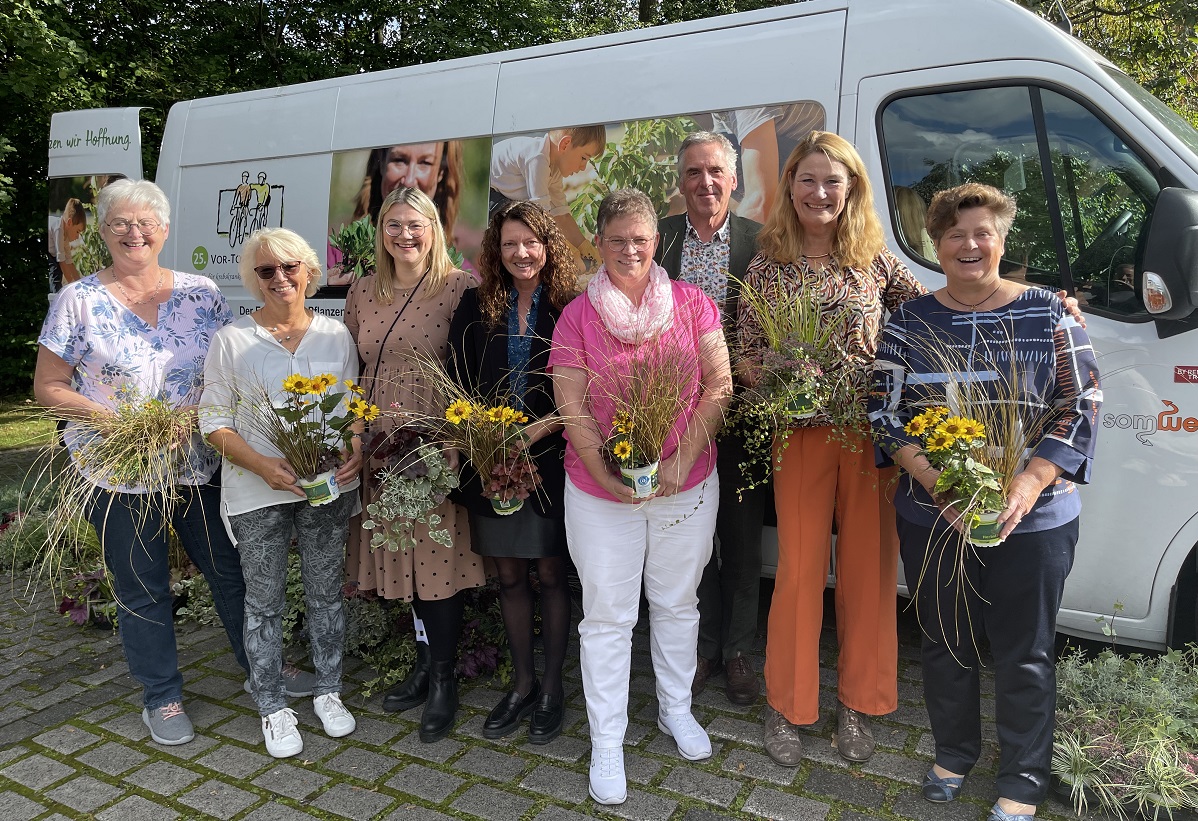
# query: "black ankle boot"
{"type": "Point", "coordinates": [442, 706]}
{"type": "Point", "coordinates": [413, 690]}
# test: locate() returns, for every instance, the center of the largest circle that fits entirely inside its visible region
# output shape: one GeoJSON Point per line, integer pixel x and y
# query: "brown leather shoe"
{"type": "Point", "coordinates": [704, 669]}
{"type": "Point", "coordinates": [782, 739]}
{"type": "Point", "coordinates": [742, 686]}
{"type": "Point", "coordinates": [854, 738]}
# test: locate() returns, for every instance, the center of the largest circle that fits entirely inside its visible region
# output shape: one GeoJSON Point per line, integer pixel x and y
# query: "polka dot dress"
{"type": "Point", "coordinates": [433, 570]}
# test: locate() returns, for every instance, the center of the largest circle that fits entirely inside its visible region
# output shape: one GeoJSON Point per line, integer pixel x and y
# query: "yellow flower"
{"type": "Point", "coordinates": [955, 426]}
{"type": "Point", "coordinates": [972, 429]}
{"type": "Point", "coordinates": [459, 411]}
{"type": "Point", "coordinates": [494, 414]}
{"type": "Point", "coordinates": [371, 413]}
{"type": "Point", "coordinates": [940, 440]}
{"type": "Point", "coordinates": [296, 384]}
{"type": "Point", "coordinates": [622, 422]}
{"type": "Point", "coordinates": [520, 418]}
{"type": "Point", "coordinates": [507, 415]}
{"type": "Point", "coordinates": [354, 389]}
{"type": "Point", "coordinates": [935, 414]}
{"type": "Point", "coordinates": [622, 450]}
{"type": "Point", "coordinates": [917, 426]}
{"type": "Point", "coordinates": [357, 407]}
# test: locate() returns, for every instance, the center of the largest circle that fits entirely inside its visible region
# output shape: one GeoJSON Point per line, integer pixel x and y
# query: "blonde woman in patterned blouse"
{"type": "Point", "coordinates": [824, 237]}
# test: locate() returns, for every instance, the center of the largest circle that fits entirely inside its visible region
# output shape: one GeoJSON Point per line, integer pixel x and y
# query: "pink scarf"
{"type": "Point", "coordinates": [627, 322]}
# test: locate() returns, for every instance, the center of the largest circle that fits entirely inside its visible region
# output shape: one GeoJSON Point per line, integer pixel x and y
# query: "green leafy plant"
{"type": "Point", "coordinates": [415, 479]}
{"type": "Point", "coordinates": [90, 254]}
{"type": "Point", "coordinates": [1127, 732]}
{"type": "Point", "coordinates": [355, 241]}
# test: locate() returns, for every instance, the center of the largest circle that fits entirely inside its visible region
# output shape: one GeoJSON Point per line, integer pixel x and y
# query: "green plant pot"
{"type": "Point", "coordinates": [986, 533]}
{"type": "Point", "coordinates": [506, 508]}
{"type": "Point", "coordinates": [642, 480]}
{"type": "Point", "coordinates": [321, 489]}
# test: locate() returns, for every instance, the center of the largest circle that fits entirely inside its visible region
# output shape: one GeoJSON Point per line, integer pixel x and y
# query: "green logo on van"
{"type": "Point", "coordinates": [199, 258]}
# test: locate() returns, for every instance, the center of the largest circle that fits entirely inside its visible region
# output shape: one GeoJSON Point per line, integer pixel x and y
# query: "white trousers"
{"type": "Point", "coordinates": [666, 542]}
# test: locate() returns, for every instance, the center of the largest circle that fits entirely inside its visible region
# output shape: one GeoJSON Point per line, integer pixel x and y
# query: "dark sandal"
{"type": "Point", "coordinates": [940, 790]}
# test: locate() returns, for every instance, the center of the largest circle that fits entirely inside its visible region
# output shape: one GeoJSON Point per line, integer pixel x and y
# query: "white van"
{"type": "Point", "coordinates": [932, 94]}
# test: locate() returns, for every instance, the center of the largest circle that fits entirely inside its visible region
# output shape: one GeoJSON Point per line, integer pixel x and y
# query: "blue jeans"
{"type": "Point", "coordinates": [136, 548]}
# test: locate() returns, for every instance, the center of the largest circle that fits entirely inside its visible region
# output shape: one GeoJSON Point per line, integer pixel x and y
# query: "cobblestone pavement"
{"type": "Point", "coordinates": [72, 745]}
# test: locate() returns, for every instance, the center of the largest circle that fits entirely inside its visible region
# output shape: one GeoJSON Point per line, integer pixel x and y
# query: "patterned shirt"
{"type": "Point", "coordinates": [117, 355]}
{"type": "Point", "coordinates": [519, 345]}
{"type": "Point", "coordinates": [1036, 342]}
{"type": "Point", "coordinates": [858, 298]}
{"type": "Point", "coordinates": [706, 263]}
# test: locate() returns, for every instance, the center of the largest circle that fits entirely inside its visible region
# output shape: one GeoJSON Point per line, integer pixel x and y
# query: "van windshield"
{"type": "Point", "coordinates": [1170, 118]}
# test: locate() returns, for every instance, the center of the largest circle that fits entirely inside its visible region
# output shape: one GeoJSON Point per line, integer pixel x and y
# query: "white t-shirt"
{"type": "Point", "coordinates": [520, 170]}
{"type": "Point", "coordinates": [243, 357]}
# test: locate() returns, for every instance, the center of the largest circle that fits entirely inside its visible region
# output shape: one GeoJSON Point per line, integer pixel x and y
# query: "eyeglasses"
{"type": "Point", "coordinates": [620, 243]}
{"type": "Point", "coordinates": [120, 227]}
{"type": "Point", "coordinates": [268, 271]}
{"type": "Point", "coordinates": [415, 229]}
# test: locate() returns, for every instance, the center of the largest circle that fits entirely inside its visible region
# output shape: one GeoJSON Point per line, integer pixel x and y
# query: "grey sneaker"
{"type": "Point", "coordinates": [297, 683]}
{"type": "Point", "coordinates": [168, 724]}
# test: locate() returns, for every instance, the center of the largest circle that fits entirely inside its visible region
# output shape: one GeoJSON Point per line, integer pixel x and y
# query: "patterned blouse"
{"type": "Point", "coordinates": [861, 297]}
{"type": "Point", "coordinates": [117, 355]}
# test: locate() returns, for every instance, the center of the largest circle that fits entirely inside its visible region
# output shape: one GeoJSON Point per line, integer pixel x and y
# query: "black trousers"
{"type": "Point", "coordinates": [1010, 595]}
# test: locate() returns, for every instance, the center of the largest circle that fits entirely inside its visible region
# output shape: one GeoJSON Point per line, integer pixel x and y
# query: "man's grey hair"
{"type": "Point", "coordinates": [708, 138]}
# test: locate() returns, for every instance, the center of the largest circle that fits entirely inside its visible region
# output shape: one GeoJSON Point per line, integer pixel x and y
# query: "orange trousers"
{"type": "Point", "coordinates": [817, 480]}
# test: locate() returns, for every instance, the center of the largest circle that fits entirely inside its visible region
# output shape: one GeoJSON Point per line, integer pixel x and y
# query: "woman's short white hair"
{"type": "Point", "coordinates": [137, 194]}
{"type": "Point", "coordinates": [284, 245]}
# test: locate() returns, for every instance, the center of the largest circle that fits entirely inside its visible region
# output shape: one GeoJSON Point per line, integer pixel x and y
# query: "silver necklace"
{"type": "Point", "coordinates": [274, 330]}
{"type": "Point", "coordinates": [130, 300]}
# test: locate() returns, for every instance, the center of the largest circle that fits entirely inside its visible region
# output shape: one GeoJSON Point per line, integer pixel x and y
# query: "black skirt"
{"type": "Point", "coordinates": [520, 535]}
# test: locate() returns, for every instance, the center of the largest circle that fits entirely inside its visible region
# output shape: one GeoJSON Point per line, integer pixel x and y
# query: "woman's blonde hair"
{"type": "Point", "coordinates": [284, 245]}
{"type": "Point", "coordinates": [859, 236]}
{"type": "Point", "coordinates": [439, 263]}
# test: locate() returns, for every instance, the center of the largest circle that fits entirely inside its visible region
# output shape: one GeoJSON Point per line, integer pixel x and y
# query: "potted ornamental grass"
{"type": "Point", "coordinates": [491, 437]}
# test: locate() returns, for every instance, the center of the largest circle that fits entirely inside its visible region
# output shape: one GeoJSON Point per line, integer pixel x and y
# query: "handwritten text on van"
{"type": "Point", "coordinates": [92, 139]}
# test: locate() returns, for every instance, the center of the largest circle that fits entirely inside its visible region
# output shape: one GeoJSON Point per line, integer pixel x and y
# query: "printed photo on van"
{"type": "Point", "coordinates": [74, 248]}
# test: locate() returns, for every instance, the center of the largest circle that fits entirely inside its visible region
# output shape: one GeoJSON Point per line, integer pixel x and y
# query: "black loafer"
{"type": "Point", "coordinates": [509, 712]}
{"type": "Point", "coordinates": [547, 718]}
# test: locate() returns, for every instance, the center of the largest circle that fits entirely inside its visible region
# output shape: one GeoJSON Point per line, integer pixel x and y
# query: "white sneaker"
{"type": "Point", "coordinates": [608, 784]}
{"type": "Point", "coordinates": [689, 735]}
{"type": "Point", "coordinates": [336, 719]}
{"type": "Point", "coordinates": [281, 734]}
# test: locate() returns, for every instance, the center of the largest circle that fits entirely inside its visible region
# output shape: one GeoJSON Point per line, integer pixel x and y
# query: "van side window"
{"type": "Point", "coordinates": [1090, 208]}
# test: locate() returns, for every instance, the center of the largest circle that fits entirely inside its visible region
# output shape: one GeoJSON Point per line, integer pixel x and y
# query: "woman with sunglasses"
{"type": "Point", "coordinates": [138, 329]}
{"type": "Point", "coordinates": [260, 495]}
{"type": "Point", "coordinates": [401, 310]}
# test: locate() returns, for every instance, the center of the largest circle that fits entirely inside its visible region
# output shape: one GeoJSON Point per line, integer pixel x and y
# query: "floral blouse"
{"type": "Point", "coordinates": [118, 357]}
{"type": "Point", "coordinates": [859, 298]}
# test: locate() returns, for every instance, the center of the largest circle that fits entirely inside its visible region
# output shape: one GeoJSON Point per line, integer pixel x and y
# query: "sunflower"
{"type": "Point", "coordinates": [508, 415]}
{"type": "Point", "coordinates": [917, 426]}
{"type": "Point", "coordinates": [371, 413]}
{"type": "Point", "coordinates": [935, 414]}
{"type": "Point", "coordinates": [322, 382]}
{"type": "Point", "coordinates": [362, 409]}
{"type": "Point", "coordinates": [495, 414]}
{"type": "Point", "coordinates": [940, 440]}
{"type": "Point", "coordinates": [972, 429]}
{"type": "Point", "coordinates": [520, 418]}
{"type": "Point", "coordinates": [296, 384]}
{"type": "Point", "coordinates": [622, 450]}
{"type": "Point", "coordinates": [955, 426]}
{"type": "Point", "coordinates": [622, 422]}
{"type": "Point", "coordinates": [459, 411]}
{"type": "Point", "coordinates": [354, 389]}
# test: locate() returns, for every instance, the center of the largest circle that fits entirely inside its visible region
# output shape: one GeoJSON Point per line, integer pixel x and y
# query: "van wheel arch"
{"type": "Point", "coordinates": [1183, 604]}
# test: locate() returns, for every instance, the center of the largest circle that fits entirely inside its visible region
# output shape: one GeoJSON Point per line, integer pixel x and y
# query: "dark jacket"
{"type": "Point", "coordinates": [478, 360]}
{"type": "Point", "coordinates": [742, 247]}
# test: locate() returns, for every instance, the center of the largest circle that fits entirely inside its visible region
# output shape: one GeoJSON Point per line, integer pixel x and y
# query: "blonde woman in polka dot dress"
{"type": "Point", "coordinates": [407, 306]}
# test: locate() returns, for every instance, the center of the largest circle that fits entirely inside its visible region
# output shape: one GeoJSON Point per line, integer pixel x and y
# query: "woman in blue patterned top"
{"type": "Point", "coordinates": [1001, 331]}
{"type": "Point", "coordinates": [137, 329]}
{"type": "Point", "coordinates": [499, 342]}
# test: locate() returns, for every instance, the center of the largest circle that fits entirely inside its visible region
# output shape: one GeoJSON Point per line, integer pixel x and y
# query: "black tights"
{"type": "Point", "coordinates": [442, 624]}
{"type": "Point", "coordinates": [516, 602]}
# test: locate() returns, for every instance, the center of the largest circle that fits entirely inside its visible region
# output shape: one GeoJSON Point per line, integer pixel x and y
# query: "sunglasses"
{"type": "Point", "coordinates": [268, 271]}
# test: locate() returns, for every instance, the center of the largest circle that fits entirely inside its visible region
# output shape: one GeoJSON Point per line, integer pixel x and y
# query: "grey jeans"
{"type": "Point", "coordinates": [263, 537]}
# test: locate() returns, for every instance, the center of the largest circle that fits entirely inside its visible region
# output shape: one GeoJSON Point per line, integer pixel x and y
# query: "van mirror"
{"type": "Point", "coordinates": [1169, 284]}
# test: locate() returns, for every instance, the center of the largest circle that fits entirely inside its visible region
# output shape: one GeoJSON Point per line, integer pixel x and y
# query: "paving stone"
{"type": "Point", "coordinates": [84, 793]}
{"type": "Point", "coordinates": [852, 815]}
{"type": "Point", "coordinates": [415, 812]}
{"type": "Point", "coordinates": [66, 740]}
{"type": "Point", "coordinates": [243, 728]}
{"type": "Point", "coordinates": [278, 812]}
{"type": "Point", "coordinates": [560, 814]}
{"type": "Point", "coordinates": [491, 764]}
{"type": "Point", "coordinates": [425, 782]}
{"type": "Point", "coordinates": [37, 772]}
{"type": "Point", "coordinates": [291, 781]}
{"type": "Point", "coordinates": [218, 799]}
{"type": "Point", "coordinates": [11, 753]}
{"type": "Point", "coordinates": [128, 725]}
{"type": "Point", "coordinates": [348, 801]}
{"type": "Point", "coordinates": [136, 808]}
{"type": "Point", "coordinates": [694, 783]}
{"type": "Point", "coordinates": [363, 765]}
{"type": "Point", "coordinates": [234, 761]}
{"type": "Point", "coordinates": [912, 805]}
{"type": "Point", "coordinates": [703, 815]}
{"type": "Point", "coordinates": [439, 751]}
{"type": "Point", "coordinates": [215, 687]}
{"type": "Point", "coordinates": [112, 758]}
{"type": "Point", "coordinates": [555, 782]}
{"type": "Point", "coordinates": [896, 768]}
{"type": "Point", "coordinates": [57, 695]}
{"type": "Point", "coordinates": [748, 764]}
{"type": "Point", "coordinates": [192, 749]}
{"type": "Point", "coordinates": [563, 748]}
{"type": "Point", "coordinates": [15, 807]}
{"type": "Point", "coordinates": [784, 807]}
{"type": "Point", "coordinates": [13, 712]}
{"type": "Point", "coordinates": [490, 803]}
{"type": "Point", "coordinates": [473, 727]}
{"type": "Point", "coordinates": [846, 786]}
{"type": "Point", "coordinates": [55, 714]}
{"type": "Point", "coordinates": [18, 731]}
{"type": "Point", "coordinates": [162, 777]}
{"type": "Point", "coordinates": [105, 674]}
{"type": "Point", "coordinates": [205, 714]}
{"type": "Point", "coordinates": [640, 769]}
{"type": "Point", "coordinates": [101, 714]}
{"type": "Point", "coordinates": [735, 729]}
{"type": "Point", "coordinates": [642, 806]}
{"type": "Point", "coordinates": [375, 733]}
